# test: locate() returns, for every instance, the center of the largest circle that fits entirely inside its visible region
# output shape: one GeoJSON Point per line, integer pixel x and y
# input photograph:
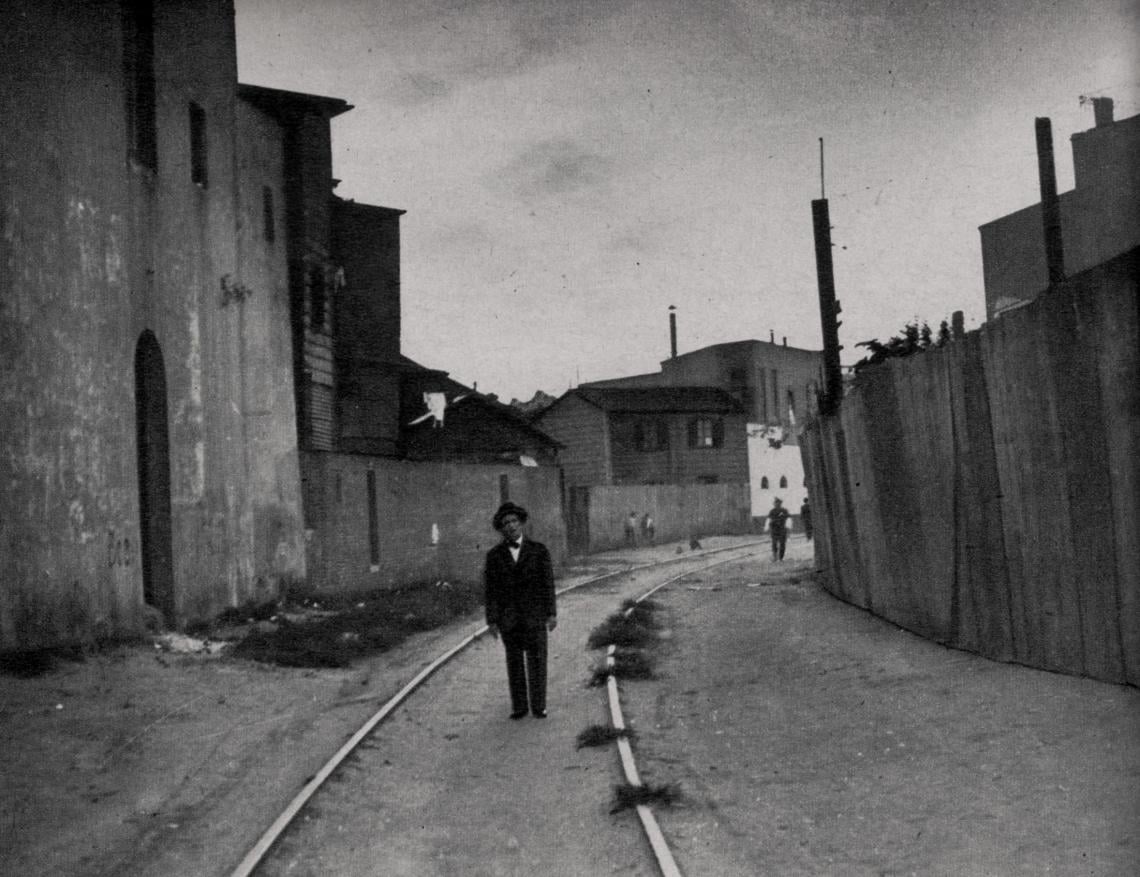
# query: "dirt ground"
{"type": "Point", "coordinates": [144, 760]}
{"type": "Point", "coordinates": [807, 738]}
{"type": "Point", "coordinates": [811, 738]}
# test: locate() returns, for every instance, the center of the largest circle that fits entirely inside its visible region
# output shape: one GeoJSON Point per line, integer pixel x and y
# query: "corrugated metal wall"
{"type": "Point", "coordinates": [987, 494]}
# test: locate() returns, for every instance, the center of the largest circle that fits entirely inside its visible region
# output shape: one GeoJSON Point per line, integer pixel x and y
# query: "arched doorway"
{"type": "Point", "coordinates": [153, 443]}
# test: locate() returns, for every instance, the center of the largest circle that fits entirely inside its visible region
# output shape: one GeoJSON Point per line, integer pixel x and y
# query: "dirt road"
{"type": "Point", "coordinates": [811, 738]}
{"type": "Point", "coordinates": [453, 786]}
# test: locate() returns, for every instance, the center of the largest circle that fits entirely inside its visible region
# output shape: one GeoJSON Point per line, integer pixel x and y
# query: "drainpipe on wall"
{"type": "Point", "coordinates": [672, 332]}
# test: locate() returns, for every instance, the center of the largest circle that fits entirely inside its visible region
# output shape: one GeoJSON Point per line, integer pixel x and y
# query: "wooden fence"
{"type": "Point", "coordinates": [986, 494]}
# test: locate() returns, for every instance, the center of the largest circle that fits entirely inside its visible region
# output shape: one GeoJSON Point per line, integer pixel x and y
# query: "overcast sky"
{"type": "Point", "coordinates": [570, 169]}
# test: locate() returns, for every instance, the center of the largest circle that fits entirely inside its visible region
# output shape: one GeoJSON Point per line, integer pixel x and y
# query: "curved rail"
{"type": "Point", "coordinates": [666, 864]}
{"type": "Point", "coordinates": [260, 849]}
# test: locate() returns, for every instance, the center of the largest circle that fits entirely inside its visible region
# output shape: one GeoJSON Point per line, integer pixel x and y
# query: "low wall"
{"type": "Point", "coordinates": [432, 520]}
{"type": "Point", "coordinates": [986, 494]}
{"type": "Point", "coordinates": [679, 511]}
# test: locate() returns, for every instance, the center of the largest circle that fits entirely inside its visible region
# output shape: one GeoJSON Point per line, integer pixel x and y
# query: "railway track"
{"type": "Point", "coordinates": [259, 852]}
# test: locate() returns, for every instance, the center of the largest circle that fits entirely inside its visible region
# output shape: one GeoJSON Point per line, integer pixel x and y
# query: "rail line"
{"type": "Point", "coordinates": [265, 843]}
{"type": "Point", "coordinates": [666, 864]}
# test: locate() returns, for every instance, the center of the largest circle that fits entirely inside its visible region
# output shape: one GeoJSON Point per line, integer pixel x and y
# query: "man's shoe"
{"type": "Point", "coordinates": [518, 714]}
{"type": "Point", "coordinates": [540, 714]}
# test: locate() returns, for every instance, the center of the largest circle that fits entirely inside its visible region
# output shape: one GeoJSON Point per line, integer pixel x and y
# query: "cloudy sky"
{"type": "Point", "coordinates": [571, 168]}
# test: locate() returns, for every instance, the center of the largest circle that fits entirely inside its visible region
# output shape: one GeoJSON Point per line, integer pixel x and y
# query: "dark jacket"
{"type": "Point", "coordinates": [519, 594]}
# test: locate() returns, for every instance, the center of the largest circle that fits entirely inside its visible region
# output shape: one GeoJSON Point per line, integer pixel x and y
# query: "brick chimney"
{"type": "Point", "coordinates": [1102, 111]}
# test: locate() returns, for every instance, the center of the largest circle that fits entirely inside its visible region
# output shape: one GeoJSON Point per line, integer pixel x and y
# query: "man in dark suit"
{"type": "Point", "coordinates": [519, 586]}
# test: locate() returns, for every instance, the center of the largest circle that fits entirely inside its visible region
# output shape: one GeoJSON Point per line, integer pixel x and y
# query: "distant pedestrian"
{"type": "Point", "coordinates": [805, 519]}
{"type": "Point", "coordinates": [777, 527]}
{"type": "Point", "coordinates": [631, 525]}
{"type": "Point", "coordinates": [648, 529]}
{"type": "Point", "coordinates": [518, 581]}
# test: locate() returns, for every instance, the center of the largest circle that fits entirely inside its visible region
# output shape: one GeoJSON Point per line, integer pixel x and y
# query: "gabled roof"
{"type": "Point", "coordinates": [464, 395]}
{"type": "Point", "coordinates": [677, 400]}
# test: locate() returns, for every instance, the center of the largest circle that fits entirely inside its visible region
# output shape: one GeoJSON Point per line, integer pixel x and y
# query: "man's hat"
{"type": "Point", "coordinates": [508, 508]}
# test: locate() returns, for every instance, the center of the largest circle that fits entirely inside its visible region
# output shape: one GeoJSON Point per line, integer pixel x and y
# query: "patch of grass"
{"type": "Point", "coordinates": [628, 664]}
{"type": "Point", "coordinates": [627, 796]}
{"type": "Point", "coordinates": [250, 610]}
{"type": "Point", "coordinates": [30, 663]}
{"type": "Point", "coordinates": [601, 735]}
{"type": "Point", "coordinates": [618, 630]}
{"type": "Point", "coordinates": [352, 626]}
{"type": "Point", "coordinates": [644, 612]}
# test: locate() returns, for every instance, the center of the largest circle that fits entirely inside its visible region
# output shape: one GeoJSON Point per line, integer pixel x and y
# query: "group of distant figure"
{"type": "Point", "coordinates": [639, 529]}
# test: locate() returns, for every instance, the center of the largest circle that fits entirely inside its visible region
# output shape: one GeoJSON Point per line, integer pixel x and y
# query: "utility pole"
{"type": "Point", "coordinates": [1050, 202]}
{"type": "Point", "coordinates": [829, 308]}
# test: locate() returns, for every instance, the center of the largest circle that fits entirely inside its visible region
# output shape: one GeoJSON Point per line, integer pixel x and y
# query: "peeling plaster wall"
{"type": "Point", "coordinates": [68, 505]}
{"type": "Point", "coordinates": [268, 395]}
{"type": "Point", "coordinates": [94, 250]}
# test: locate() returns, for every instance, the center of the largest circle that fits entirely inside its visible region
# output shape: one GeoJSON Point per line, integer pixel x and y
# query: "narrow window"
{"type": "Point", "coordinates": [783, 481]}
{"type": "Point", "coordinates": [777, 415]}
{"type": "Point", "coordinates": [373, 522]}
{"type": "Point", "coordinates": [764, 483]}
{"type": "Point", "coordinates": [269, 229]}
{"type": "Point", "coordinates": [762, 389]}
{"type": "Point", "coordinates": [706, 432]}
{"type": "Point", "coordinates": [317, 298]}
{"type": "Point", "coordinates": [138, 63]}
{"type": "Point", "coordinates": [504, 488]}
{"type": "Point", "coordinates": [792, 403]}
{"type": "Point", "coordinates": [198, 162]}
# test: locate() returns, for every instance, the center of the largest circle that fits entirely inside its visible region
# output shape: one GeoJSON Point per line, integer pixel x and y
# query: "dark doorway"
{"type": "Point", "coordinates": [154, 477]}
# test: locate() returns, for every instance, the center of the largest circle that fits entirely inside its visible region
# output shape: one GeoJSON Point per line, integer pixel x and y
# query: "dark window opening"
{"type": "Point", "coordinates": [650, 435]}
{"type": "Point", "coordinates": [318, 299]}
{"type": "Point", "coordinates": [764, 483]}
{"type": "Point", "coordinates": [138, 63]}
{"type": "Point", "coordinates": [198, 162]}
{"type": "Point", "coordinates": [373, 521]}
{"type": "Point", "coordinates": [791, 403]}
{"type": "Point", "coordinates": [783, 481]}
{"type": "Point", "coordinates": [707, 479]}
{"type": "Point", "coordinates": [269, 228]}
{"type": "Point", "coordinates": [504, 488]}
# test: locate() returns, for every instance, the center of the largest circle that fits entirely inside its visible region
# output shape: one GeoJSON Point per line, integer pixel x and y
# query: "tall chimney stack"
{"type": "Point", "coordinates": [672, 332]}
{"type": "Point", "coordinates": [1050, 202]}
{"type": "Point", "coordinates": [1102, 111]}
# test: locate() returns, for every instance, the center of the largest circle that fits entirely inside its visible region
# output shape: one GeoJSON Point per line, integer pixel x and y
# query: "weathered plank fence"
{"type": "Point", "coordinates": [986, 494]}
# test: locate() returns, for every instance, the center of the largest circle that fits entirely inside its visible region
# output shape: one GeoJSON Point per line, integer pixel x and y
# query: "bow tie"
{"type": "Point", "coordinates": [512, 544]}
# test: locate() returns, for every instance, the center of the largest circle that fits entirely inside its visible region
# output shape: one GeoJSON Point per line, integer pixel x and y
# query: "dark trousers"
{"type": "Point", "coordinates": [779, 542]}
{"type": "Point", "coordinates": [526, 667]}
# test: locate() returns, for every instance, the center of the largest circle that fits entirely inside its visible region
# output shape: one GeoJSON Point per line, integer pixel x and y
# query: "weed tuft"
{"type": "Point", "coordinates": [619, 630]}
{"type": "Point", "coordinates": [601, 735]}
{"type": "Point", "coordinates": [628, 664]}
{"type": "Point", "coordinates": [627, 795]}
